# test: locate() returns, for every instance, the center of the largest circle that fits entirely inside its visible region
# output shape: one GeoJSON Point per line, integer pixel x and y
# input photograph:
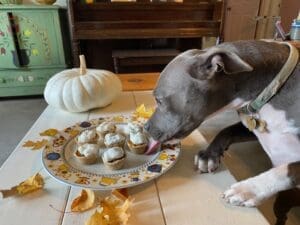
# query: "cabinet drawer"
{"type": "Point", "coordinates": [25, 78]}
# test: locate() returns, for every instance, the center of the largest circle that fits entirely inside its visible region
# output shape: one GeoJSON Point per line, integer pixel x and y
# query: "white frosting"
{"type": "Point", "coordinates": [106, 127]}
{"type": "Point", "coordinates": [138, 138]}
{"type": "Point", "coordinates": [134, 128]}
{"type": "Point", "coordinates": [86, 136]}
{"type": "Point", "coordinates": [113, 138]}
{"type": "Point", "coordinates": [88, 149]}
{"type": "Point", "coordinates": [112, 154]}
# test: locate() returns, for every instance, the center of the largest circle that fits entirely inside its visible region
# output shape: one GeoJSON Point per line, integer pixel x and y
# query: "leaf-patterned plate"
{"type": "Point", "coordinates": [58, 160]}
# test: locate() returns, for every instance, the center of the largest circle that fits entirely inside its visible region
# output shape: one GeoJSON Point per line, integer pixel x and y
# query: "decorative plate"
{"type": "Point", "coordinates": [59, 161]}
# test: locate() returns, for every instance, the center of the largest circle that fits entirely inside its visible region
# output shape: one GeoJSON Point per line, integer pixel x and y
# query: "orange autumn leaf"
{"type": "Point", "coordinates": [28, 144]}
{"type": "Point", "coordinates": [85, 201]}
{"type": "Point", "coordinates": [32, 184]}
{"type": "Point", "coordinates": [35, 145]}
{"type": "Point", "coordinates": [50, 132]}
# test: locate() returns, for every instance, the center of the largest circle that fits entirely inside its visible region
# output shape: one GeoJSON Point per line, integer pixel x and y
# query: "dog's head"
{"type": "Point", "coordinates": [189, 89]}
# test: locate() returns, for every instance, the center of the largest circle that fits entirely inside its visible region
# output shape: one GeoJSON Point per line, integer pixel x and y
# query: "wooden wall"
{"type": "Point", "coordinates": [289, 11]}
{"type": "Point", "coordinates": [253, 19]}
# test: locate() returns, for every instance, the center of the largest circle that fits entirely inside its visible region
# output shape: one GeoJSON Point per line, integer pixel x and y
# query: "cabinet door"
{"type": "Point", "coordinates": [7, 45]}
{"type": "Point", "coordinates": [240, 23]}
{"type": "Point", "coordinates": [37, 37]}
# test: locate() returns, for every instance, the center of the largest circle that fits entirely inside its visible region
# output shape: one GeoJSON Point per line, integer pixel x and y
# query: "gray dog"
{"type": "Point", "coordinates": [198, 83]}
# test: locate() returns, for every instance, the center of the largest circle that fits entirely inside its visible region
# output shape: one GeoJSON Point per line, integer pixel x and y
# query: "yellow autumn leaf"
{"type": "Point", "coordinates": [118, 119]}
{"type": "Point", "coordinates": [85, 201]}
{"type": "Point", "coordinates": [35, 145]}
{"type": "Point", "coordinates": [113, 210]}
{"type": "Point", "coordinates": [97, 218]}
{"type": "Point", "coordinates": [29, 144]}
{"type": "Point", "coordinates": [141, 111]}
{"type": "Point", "coordinates": [32, 184]}
{"type": "Point", "coordinates": [50, 132]}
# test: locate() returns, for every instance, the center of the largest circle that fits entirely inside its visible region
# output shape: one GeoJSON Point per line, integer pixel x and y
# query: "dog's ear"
{"type": "Point", "coordinates": [216, 60]}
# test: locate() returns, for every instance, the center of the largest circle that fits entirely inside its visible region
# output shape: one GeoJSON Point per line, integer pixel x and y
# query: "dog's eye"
{"type": "Point", "coordinates": [209, 66]}
{"type": "Point", "coordinates": [158, 101]}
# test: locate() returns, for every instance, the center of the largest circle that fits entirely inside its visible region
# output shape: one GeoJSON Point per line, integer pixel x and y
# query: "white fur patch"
{"type": "Point", "coordinates": [253, 191]}
{"type": "Point", "coordinates": [281, 142]}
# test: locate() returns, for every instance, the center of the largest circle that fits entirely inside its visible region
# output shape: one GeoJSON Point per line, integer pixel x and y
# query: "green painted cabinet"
{"type": "Point", "coordinates": [33, 47]}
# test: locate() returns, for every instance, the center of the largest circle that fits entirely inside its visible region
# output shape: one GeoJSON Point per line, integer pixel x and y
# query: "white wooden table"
{"type": "Point", "coordinates": [180, 197]}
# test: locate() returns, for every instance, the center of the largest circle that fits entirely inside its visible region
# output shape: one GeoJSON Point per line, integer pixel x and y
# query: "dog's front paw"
{"type": "Point", "coordinates": [248, 193]}
{"type": "Point", "coordinates": [205, 163]}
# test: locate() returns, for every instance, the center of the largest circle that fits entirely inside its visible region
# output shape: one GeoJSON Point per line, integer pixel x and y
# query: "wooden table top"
{"type": "Point", "coordinates": [181, 196]}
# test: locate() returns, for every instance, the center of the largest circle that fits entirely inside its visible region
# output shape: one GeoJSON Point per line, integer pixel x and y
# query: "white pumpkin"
{"type": "Point", "coordinates": [81, 89]}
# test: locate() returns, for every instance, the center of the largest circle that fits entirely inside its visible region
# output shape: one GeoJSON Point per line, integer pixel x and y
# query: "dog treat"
{"type": "Point", "coordinates": [105, 128]}
{"type": "Point", "coordinates": [114, 140]}
{"type": "Point", "coordinates": [87, 153]}
{"type": "Point", "coordinates": [114, 158]}
{"type": "Point", "coordinates": [87, 136]}
{"type": "Point", "coordinates": [137, 142]}
{"type": "Point", "coordinates": [134, 128]}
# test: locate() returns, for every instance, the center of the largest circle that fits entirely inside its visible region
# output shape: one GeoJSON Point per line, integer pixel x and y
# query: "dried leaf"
{"type": "Point", "coordinates": [120, 193]}
{"type": "Point", "coordinates": [141, 111]}
{"type": "Point", "coordinates": [97, 218]}
{"type": "Point", "coordinates": [35, 145]}
{"type": "Point", "coordinates": [118, 119]}
{"type": "Point", "coordinates": [113, 210]}
{"type": "Point", "coordinates": [29, 144]}
{"type": "Point", "coordinates": [85, 201]}
{"type": "Point", "coordinates": [33, 183]}
{"type": "Point", "coordinates": [49, 132]}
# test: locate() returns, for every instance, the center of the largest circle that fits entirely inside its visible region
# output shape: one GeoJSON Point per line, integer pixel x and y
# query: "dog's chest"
{"type": "Point", "coordinates": [281, 140]}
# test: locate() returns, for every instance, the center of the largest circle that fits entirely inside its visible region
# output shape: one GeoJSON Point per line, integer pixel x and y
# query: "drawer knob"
{"type": "Point", "coordinates": [21, 79]}
{"type": "Point", "coordinates": [30, 78]}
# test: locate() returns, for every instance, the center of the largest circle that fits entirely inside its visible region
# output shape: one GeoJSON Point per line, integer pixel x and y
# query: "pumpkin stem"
{"type": "Point", "coordinates": [82, 70]}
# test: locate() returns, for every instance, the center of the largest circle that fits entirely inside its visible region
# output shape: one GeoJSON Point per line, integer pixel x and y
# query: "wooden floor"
{"type": "Point", "coordinates": [138, 81]}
